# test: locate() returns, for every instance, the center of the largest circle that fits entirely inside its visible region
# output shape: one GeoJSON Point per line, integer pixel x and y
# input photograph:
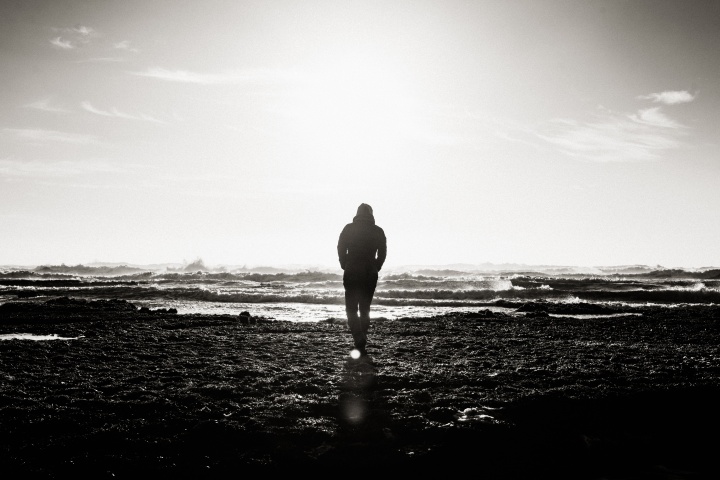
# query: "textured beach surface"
{"type": "Point", "coordinates": [135, 392]}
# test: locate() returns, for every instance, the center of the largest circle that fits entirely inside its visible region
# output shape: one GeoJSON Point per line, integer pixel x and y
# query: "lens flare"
{"type": "Point", "coordinates": [353, 409]}
{"type": "Point", "coordinates": [354, 353]}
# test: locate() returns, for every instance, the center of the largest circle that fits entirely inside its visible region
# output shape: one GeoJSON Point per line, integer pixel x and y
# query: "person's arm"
{"type": "Point", "coordinates": [381, 251]}
{"type": "Point", "coordinates": [342, 249]}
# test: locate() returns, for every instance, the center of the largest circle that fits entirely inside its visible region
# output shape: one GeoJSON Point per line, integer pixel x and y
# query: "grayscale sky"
{"type": "Point", "coordinates": [248, 132]}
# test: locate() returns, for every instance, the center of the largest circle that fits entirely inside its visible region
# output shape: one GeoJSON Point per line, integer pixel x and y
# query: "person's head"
{"type": "Point", "coordinates": [364, 209]}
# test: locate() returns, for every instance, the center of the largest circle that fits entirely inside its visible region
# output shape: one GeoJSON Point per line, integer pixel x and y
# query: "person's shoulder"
{"type": "Point", "coordinates": [379, 229]}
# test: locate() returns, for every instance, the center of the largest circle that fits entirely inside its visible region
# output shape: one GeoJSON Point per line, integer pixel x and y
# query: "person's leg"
{"type": "Point", "coordinates": [364, 302]}
{"type": "Point", "coordinates": [352, 302]}
{"type": "Point", "coordinates": [366, 295]}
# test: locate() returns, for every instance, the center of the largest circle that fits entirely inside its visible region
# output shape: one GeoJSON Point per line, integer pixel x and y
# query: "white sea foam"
{"type": "Point", "coordinates": [32, 336]}
{"type": "Point", "coordinates": [571, 299]}
{"type": "Point", "coordinates": [694, 287]}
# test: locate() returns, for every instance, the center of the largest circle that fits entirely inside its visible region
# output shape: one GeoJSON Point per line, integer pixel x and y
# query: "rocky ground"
{"type": "Point", "coordinates": [530, 395]}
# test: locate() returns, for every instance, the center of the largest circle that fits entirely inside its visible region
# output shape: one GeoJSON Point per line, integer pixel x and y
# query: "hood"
{"type": "Point", "coordinates": [364, 209]}
{"type": "Point", "coordinates": [364, 214]}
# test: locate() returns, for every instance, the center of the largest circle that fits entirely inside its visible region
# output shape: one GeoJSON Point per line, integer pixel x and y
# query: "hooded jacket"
{"type": "Point", "coordinates": [362, 248]}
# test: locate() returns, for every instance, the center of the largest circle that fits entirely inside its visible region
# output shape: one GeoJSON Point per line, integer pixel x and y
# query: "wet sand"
{"type": "Point", "coordinates": [161, 394]}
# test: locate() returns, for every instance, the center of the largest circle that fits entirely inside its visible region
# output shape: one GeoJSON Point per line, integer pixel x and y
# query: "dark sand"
{"type": "Point", "coordinates": [161, 394]}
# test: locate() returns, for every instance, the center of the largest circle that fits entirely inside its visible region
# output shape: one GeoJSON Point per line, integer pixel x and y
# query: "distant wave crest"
{"type": "Point", "coordinates": [669, 287]}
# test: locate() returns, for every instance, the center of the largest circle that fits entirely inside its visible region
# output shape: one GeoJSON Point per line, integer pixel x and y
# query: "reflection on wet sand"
{"type": "Point", "coordinates": [364, 419]}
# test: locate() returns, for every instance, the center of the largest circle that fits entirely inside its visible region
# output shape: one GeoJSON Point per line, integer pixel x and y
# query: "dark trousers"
{"type": "Point", "coordinates": [357, 306]}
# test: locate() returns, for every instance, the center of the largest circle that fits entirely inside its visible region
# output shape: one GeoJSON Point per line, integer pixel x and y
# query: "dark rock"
{"type": "Point", "coordinates": [26, 294]}
{"type": "Point", "coordinates": [442, 414]}
{"type": "Point", "coordinates": [533, 306]}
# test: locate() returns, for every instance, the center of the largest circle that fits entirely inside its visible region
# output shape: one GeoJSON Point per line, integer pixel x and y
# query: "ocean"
{"type": "Point", "coordinates": [309, 296]}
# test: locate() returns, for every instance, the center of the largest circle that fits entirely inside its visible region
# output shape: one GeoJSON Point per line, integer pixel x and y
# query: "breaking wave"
{"type": "Point", "coordinates": [407, 290]}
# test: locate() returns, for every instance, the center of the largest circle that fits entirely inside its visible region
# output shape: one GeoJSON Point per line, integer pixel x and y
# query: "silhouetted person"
{"type": "Point", "coordinates": [362, 248]}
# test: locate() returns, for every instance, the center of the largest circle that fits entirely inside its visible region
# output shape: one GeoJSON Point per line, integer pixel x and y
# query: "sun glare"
{"type": "Point", "coordinates": [354, 111]}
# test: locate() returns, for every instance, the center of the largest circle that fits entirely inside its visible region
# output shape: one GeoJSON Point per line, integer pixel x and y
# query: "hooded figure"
{"type": "Point", "coordinates": [362, 248]}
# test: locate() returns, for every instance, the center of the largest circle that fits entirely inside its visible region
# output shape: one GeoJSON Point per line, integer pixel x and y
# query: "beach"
{"type": "Point", "coordinates": [128, 391]}
{"type": "Point", "coordinates": [199, 199]}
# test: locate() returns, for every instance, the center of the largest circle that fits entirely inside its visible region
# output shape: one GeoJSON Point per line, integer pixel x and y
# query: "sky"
{"type": "Point", "coordinates": [248, 132]}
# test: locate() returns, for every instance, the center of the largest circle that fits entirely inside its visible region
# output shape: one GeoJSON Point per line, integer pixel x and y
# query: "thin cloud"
{"type": "Point", "coordinates": [42, 136]}
{"type": "Point", "coordinates": [185, 76]}
{"type": "Point", "coordinates": [654, 117]}
{"type": "Point", "coordinates": [646, 135]}
{"type": "Point", "coordinates": [103, 59]}
{"type": "Point", "coordinates": [70, 38]}
{"type": "Point", "coordinates": [63, 44]}
{"type": "Point", "coordinates": [124, 45]}
{"type": "Point", "coordinates": [83, 30]}
{"type": "Point", "coordinates": [87, 106]}
{"type": "Point", "coordinates": [63, 168]}
{"type": "Point", "coordinates": [450, 126]}
{"type": "Point", "coordinates": [226, 78]}
{"type": "Point", "coordinates": [670, 97]}
{"type": "Point", "coordinates": [46, 106]}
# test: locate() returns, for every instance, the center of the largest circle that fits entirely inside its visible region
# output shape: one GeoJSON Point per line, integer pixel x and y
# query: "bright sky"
{"type": "Point", "coordinates": [248, 132]}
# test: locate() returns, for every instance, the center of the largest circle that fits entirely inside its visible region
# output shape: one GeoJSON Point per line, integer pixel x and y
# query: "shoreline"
{"type": "Point", "coordinates": [214, 395]}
